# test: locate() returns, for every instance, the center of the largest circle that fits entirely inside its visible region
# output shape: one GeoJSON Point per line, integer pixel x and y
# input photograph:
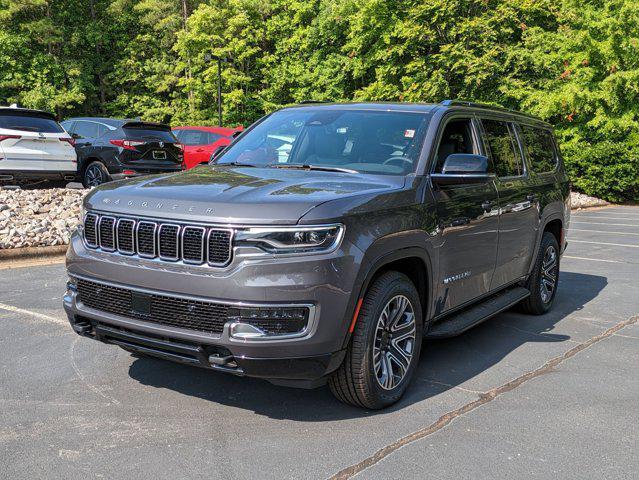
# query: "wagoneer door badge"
{"type": "Point", "coordinates": [454, 278]}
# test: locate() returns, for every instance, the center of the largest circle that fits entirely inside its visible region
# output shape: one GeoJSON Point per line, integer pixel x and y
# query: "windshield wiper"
{"type": "Point", "coordinates": [311, 167]}
{"type": "Point", "coordinates": [236, 164]}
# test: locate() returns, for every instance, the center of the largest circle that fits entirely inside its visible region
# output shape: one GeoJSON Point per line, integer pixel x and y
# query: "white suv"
{"type": "Point", "coordinates": [33, 145]}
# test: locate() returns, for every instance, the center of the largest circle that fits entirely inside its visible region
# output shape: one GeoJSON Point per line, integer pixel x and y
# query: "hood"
{"type": "Point", "coordinates": [234, 195]}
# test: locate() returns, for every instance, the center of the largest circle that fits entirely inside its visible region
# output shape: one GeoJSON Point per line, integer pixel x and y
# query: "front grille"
{"type": "Point", "coordinates": [168, 241]}
{"type": "Point", "coordinates": [197, 315]}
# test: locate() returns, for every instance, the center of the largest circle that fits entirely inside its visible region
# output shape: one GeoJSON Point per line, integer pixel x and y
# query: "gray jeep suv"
{"type": "Point", "coordinates": [326, 242]}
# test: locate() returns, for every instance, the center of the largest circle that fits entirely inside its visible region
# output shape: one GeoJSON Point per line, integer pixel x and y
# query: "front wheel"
{"type": "Point", "coordinates": [544, 279]}
{"type": "Point", "coordinates": [384, 350]}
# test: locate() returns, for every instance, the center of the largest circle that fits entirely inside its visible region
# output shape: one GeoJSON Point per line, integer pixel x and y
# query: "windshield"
{"type": "Point", "coordinates": [378, 142]}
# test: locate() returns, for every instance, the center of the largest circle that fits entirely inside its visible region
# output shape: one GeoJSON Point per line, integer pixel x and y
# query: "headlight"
{"type": "Point", "coordinates": [302, 239]}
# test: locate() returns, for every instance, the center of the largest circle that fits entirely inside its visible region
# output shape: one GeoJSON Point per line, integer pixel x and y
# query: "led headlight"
{"type": "Point", "coordinates": [299, 239]}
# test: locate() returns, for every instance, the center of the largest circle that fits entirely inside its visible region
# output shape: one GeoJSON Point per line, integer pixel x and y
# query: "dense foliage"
{"type": "Point", "coordinates": [574, 63]}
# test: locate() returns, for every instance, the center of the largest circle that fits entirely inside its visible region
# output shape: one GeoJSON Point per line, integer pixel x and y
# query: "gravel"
{"type": "Point", "coordinates": [47, 217]}
{"type": "Point", "coordinates": [38, 218]}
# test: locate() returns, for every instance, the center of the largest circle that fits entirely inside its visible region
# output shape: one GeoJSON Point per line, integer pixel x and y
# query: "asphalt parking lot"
{"type": "Point", "coordinates": [553, 396]}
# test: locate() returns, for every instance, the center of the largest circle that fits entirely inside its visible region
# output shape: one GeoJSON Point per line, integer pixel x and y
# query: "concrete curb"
{"type": "Point", "coordinates": [26, 253]}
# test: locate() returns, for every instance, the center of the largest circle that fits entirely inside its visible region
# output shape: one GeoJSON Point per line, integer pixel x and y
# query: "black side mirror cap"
{"type": "Point", "coordinates": [463, 163]}
{"type": "Point", "coordinates": [75, 136]}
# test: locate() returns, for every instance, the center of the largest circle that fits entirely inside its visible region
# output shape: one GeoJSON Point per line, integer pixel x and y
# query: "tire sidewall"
{"type": "Point", "coordinates": [103, 172]}
{"type": "Point", "coordinates": [401, 285]}
{"type": "Point", "coordinates": [547, 240]}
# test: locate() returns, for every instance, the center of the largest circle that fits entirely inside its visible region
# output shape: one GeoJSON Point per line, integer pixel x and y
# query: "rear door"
{"type": "Point", "coordinates": [34, 141]}
{"type": "Point", "coordinates": [468, 223]}
{"type": "Point", "coordinates": [518, 212]}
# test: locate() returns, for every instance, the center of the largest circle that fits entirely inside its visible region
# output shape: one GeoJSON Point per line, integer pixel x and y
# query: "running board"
{"type": "Point", "coordinates": [476, 314]}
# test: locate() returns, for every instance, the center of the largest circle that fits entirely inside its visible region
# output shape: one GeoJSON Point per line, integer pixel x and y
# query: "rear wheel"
{"type": "Point", "coordinates": [544, 278]}
{"type": "Point", "coordinates": [384, 350]}
{"type": "Point", "coordinates": [95, 174]}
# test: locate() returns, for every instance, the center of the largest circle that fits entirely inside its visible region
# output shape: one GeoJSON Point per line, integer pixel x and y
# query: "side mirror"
{"type": "Point", "coordinates": [75, 136]}
{"type": "Point", "coordinates": [460, 163]}
{"type": "Point", "coordinates": [463, 168]}
{"type": "Point", "coordinates": [216, 153]}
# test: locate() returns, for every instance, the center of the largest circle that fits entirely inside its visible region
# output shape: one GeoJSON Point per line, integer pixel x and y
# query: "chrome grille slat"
{"type": "Point", "coordinates": [146, 240]}
{"type": "Point", "coordinates": [125, 236]}
{"type": "Point", "coordinates": [91, 230]}
{"type": "Point", "coordinates": [168, 242]}
{"type": "Point", "coordinates": [219, 244]}
{"type": "Point", "coordinates": [106, 229]}
{"type": "Point", "coordinates": [192, 244]}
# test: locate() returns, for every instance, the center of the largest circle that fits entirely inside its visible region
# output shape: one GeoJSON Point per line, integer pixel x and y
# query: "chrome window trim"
{"type": "Point", "coordinates": [177, 242]}
{"type": "Point", "coordinates": [133, 236]}
{"type": "Point", "coordinates": [208, 250]}
{"type": "Point", "coordinates": [102, 218]}
{"type": "Point", "coordinates": [154, 241]}
{"type": "Point", "coordinates": [191, 261]}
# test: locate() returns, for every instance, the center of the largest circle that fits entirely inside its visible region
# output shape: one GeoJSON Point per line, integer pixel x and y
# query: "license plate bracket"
{"type": "Point", "coordinates": [159, 155]}
{"type": "Point", "coordinates": [141, 303]}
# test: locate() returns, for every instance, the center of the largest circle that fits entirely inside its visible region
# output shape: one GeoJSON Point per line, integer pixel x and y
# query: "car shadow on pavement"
{"type": "Point", "coordinates": [444, 364]}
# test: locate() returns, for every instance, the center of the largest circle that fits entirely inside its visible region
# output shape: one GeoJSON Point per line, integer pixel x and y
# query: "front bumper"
{"type": "Point", "coordinates": [323, 281]}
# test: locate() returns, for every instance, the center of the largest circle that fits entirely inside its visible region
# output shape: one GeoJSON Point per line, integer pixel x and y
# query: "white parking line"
{"type": "Point", "coordinates": [606, 243]}
{"type": "Point", "coordinates": [609, 224]}
{"type": "Point", "coordinates": [41, 316]}
{"type": "Point", "coordinates": [601, 231]}
{"type": "Point", "coordinates": [592, 259]}
{"type": "Point", "coordinates": [600, 217]}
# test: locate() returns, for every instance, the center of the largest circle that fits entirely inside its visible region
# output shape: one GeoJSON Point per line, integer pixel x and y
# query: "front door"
{"type": "Point", "coordinates": [468, 224]}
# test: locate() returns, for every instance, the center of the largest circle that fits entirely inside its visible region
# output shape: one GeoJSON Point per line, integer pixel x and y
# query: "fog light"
{"type": "Point", "coordinates": [267, 322]}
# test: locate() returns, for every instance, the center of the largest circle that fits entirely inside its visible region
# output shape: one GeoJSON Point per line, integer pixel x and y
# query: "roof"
{"type": "Point", "coordinates": [115, 122]}
{"type": "Point", "coordinates": [416, 107]}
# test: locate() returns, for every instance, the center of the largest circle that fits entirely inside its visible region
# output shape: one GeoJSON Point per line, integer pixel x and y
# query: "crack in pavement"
{"type": "Point", "coordinates": [484, 398]}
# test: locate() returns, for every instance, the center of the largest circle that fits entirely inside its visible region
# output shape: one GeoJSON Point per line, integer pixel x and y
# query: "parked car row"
{"type": "Point", "coordinates": [95, 150]}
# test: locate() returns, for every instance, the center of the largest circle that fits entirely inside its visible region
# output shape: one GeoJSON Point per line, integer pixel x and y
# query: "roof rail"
{"type": "Point", "coordinates": [465, 103]}
{"type": "Point", "coordinates": [314, 101]}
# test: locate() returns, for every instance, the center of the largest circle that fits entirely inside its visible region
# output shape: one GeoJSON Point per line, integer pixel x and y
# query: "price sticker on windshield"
{"type": "Point", "coordinates": [409, 133]}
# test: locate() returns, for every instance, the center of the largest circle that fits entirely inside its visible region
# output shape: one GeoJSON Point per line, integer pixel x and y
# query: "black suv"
{"type": "Point", "coordinates": [326, 242]}
{"type": "Point", "coordinates": [110, 149]}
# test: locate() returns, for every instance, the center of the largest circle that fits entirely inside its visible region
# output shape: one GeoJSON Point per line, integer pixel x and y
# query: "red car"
{"type": "Point", "coordinates": [200, 142]}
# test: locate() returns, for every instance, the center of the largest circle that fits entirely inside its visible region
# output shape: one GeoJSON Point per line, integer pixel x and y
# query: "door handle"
{"type": "Point", "coordinates": [487, 205]}
{"type": "Point", "coordinates": [199, 150]}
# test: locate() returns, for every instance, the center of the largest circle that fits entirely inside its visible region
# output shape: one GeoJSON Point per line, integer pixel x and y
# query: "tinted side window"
{"type": "Point", "coordinates": [86, 129]}
{"type": "Point", "coordinates": [213, 137]}
{"type": "Point", "coordinates": [29, 122]}
{"type": "Point", "coordinates": [540, 149]}
{"type": "Point", "coordinates": [456, 138]}
{"type": "Point", "coordinates": [503, 148]}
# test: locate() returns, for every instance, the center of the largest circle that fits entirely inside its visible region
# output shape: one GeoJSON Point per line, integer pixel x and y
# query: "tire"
{"type": "Point", "coordinates": [539, 283]}
{"type": "Point", "coordinates": [95, 174]}
{"type": "Point", "coordinates": [357, 381]}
